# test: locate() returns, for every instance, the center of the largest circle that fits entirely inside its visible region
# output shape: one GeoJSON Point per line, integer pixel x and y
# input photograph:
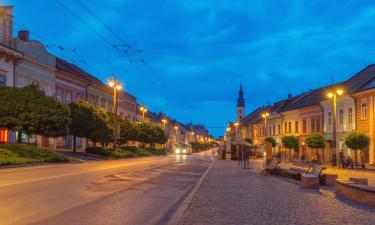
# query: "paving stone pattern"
{"type": "Point", "coordinates": [231, 195]}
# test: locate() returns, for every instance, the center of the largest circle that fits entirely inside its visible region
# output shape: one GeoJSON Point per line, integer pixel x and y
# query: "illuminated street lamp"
{"type": "Point", "coordinates": [236, 124]}
{"type": "Point", "coordinates": [116, 86]}
{"type": "Point", "coordinates": [334, 95]}
{"type": "Point", "coordinates": [164, 121]}
{"type": "Point", "coordinates": [265, 116]}
{"type": "Point", "coordinates": [143, 110]}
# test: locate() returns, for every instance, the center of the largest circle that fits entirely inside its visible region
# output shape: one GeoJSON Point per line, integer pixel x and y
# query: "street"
{"type": "Point", "coordinates": [132, 191]}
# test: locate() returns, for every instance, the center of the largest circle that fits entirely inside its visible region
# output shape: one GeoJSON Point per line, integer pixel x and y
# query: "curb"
{"type": "Point", "coordinates": [185, 205]}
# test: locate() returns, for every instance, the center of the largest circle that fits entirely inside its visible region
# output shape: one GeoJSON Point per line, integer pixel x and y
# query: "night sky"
{"type": "Point", "coordinates": [187, 58]}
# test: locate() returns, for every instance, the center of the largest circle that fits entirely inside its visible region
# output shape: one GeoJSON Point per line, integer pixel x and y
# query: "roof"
{"type": "Point", "coordinates": [75, 70]}
{"type": "Point", "coordinates": [363, 80]}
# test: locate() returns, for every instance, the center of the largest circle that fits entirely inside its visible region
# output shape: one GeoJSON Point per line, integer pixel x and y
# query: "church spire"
{"type": "Point", "coordinates": [240, 100]}
{"type": "Point", "coordinates": [240, 104]}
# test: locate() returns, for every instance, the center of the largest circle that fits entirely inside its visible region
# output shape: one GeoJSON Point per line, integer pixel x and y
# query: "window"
{"type": "Point", "coordinates": [2, 81]}
{"type": "Point", "coordinates": [103, 103]}
{"type": "Point", "coordinates": [68, 97]}
{"type": "Point", "coordinates": [290, 127]}
{"type": "Point", "coordinates": [59, 95]}
{"type": "Point", "coordinates": [364, 108]}
{"type": "Point", "coordinates": [341, 117]}
{"type": "Point", "coordinates": [273, 129]}
{"type": "Point", "coordinates": [296, 126]}
{"type": "Point", "coordinates": [304, 126]}
{"type": "Point", "coordinates": [350, 115]}
{"type": "Point", "coordinates": [318, 123]}
{"type": "Point", "coordinates": [329, 118]}
{"type": "Point", "coordinates": [286, 127]}
{"type": "Point", "coordinates": [269, 130]}
{"type": "Point", "coordinates": [78, 97]}
{"type": "Point", "coordinates": [313, 124]}
{"type": "Point", "coordinates": [278, 129]}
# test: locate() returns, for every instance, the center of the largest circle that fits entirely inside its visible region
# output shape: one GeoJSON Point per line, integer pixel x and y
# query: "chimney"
{"type": "Point", "coordinates": [23, 35]}
{"type": "Point", "coordinates": [289, 95]}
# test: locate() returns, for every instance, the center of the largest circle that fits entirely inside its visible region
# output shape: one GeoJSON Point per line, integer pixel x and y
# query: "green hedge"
{"type": "Point", "coordinates": [16, 154]}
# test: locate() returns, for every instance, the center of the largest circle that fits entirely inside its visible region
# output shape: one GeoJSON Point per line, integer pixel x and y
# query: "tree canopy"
{"type": "Point", "coordinates": [28, 110]}
{"type": "Point", "coordinates": [316, 141]}
{"type": "Point", "coordinates": [271, 140]}
{"type": "Point", "coordinates": [357, 141]}
{"type": "Point", "coordinates": [290, 142]}
{"type": "Point", "coordinates": [89, 122]}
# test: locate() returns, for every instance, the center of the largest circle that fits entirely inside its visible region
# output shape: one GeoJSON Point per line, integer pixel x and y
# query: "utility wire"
{"type": "Point", "coordinates": [129, 49]}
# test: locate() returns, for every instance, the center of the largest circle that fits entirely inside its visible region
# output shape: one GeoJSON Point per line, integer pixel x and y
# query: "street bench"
{"type": "Point", "coordinates": [297, 169]}
{"type": "Point", "coordinates": [304, 168]}
{"type": "Point", "coordinates": [271, 167]}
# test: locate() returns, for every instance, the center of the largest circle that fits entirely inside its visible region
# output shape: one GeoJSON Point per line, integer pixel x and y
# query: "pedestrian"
{"type": "Point", "coordinates": [246, 155]}
{"type": "Point", "coordinates": [341, 160]}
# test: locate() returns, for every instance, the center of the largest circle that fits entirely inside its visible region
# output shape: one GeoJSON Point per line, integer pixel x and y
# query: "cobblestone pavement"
{"type": "Point", "coordinates": [231, 195]}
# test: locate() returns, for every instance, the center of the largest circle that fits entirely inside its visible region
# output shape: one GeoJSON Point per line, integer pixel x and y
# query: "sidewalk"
{"type": "Point", "coordinates": [343, 173]}
{"type": "Point", "coordinates": [231, 195]}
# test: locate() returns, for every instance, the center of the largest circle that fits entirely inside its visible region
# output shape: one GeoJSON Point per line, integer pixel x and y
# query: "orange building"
{"type": "Point", "coordinates": [365, 117]}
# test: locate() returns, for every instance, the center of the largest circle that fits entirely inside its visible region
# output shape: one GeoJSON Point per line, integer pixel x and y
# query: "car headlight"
{"type": "Point", "coordinates": [184, 151]}
{"type": "Point", "coordinates": [178, 151]}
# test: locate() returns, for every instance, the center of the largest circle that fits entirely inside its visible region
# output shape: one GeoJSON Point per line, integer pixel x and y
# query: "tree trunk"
{"type": "Point", "coordinates": [74, 143]}
{"type": "Point", "coordinates": [19, 137]}
{"type": "Point", "coordinates": [317, 154]}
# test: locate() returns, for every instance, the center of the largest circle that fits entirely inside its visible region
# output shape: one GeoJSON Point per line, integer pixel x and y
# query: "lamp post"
{"type": "Point", "coordinates": [236, 124]}
{"type": "Point", "coordinates": [176, 129]}
{"type": "Point", "coordinates": [116, 85]}
{"type": "Point", "coordinates": [164, 121]}
{"type": "Point", "coordinates": [143, 110]}
{"type": "Point", "coordinates": [333, 95]}
{"type": "Point", "coordinates": [265, 116]}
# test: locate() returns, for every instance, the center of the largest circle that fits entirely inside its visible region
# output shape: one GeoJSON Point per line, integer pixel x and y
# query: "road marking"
{"type": "Point", "coordinates": [82, 172]}
{"type": "Point", "coordinates": [29, 168]}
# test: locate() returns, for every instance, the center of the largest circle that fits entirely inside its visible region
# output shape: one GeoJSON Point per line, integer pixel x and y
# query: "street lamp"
{"type": "Point", "coordinates": [143, 110]}
{"type": "Point", "coordinates": [116, 86]}
{"type": "Point", "coordinates": [164, 121]}
{"type": "Point", "coordinates": [265, 116]}
{"type": "Point", "coordinates": [236, 124]}
{"type": "Point", "coordinates": [334, 95]}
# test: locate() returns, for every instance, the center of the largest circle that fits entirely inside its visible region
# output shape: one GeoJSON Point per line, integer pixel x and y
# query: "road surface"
{"type": "Point", "coordinates": [144, 190]}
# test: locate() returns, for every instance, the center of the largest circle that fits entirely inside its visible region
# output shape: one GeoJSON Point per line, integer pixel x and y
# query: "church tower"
{"type": "Point", "coordinates": [6, 25]}
{"type": "Point", "coordinates": [240, 105]}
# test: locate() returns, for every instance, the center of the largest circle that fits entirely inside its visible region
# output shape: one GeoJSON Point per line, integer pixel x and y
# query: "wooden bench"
{"type": "Point", "coordinates": [297, 169]}
{"type": "Point", "coordinates": [304, 168]}
{"type": "Point", "coordinates": [271, 167]}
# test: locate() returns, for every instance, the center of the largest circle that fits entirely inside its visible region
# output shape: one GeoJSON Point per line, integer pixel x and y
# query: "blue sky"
{"type": "Point", "coordinates": [275, 47]}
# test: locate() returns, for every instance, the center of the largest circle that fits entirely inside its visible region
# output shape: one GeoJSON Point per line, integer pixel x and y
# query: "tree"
{"type": "Point", "coordinates": [90, 122]}
{"type": "Point", "coordinates": [102, 129]}
{"type": "Point", "coordinates": [357, 141]}
{"type": "Point", "coordinates": [316, 141]}
{"type": "Point", "coordinates": [271, 140]}
{"type": "Point", "coordinates": [144, 133]}
{"type": "Point", "coordinates": [28, 110]}
{"type": "Point", "coordinates": [290, 142]}
{"type": "Point", "coordinates": [128, 132]}
{"type": "Point", "coordinates": [248, 141]}
{"type": "Point", "coordinates": [158, 136]}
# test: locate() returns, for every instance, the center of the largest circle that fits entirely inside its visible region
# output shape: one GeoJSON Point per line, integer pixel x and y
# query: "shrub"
{"type": "Point", "coordinates": [142, 152]}
{"type": "Point", "coordinates": [15, 154]}
{"type": "Point", "coordinates": [105, 152]}
{"type": "Point", "coordinates": [159, 151]}
{"type": "Point", "coordinates": [122, 154]}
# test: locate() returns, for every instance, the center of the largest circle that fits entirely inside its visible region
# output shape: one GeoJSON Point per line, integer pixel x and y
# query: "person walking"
{"type": "Point", "coordinates": [246, 155]}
